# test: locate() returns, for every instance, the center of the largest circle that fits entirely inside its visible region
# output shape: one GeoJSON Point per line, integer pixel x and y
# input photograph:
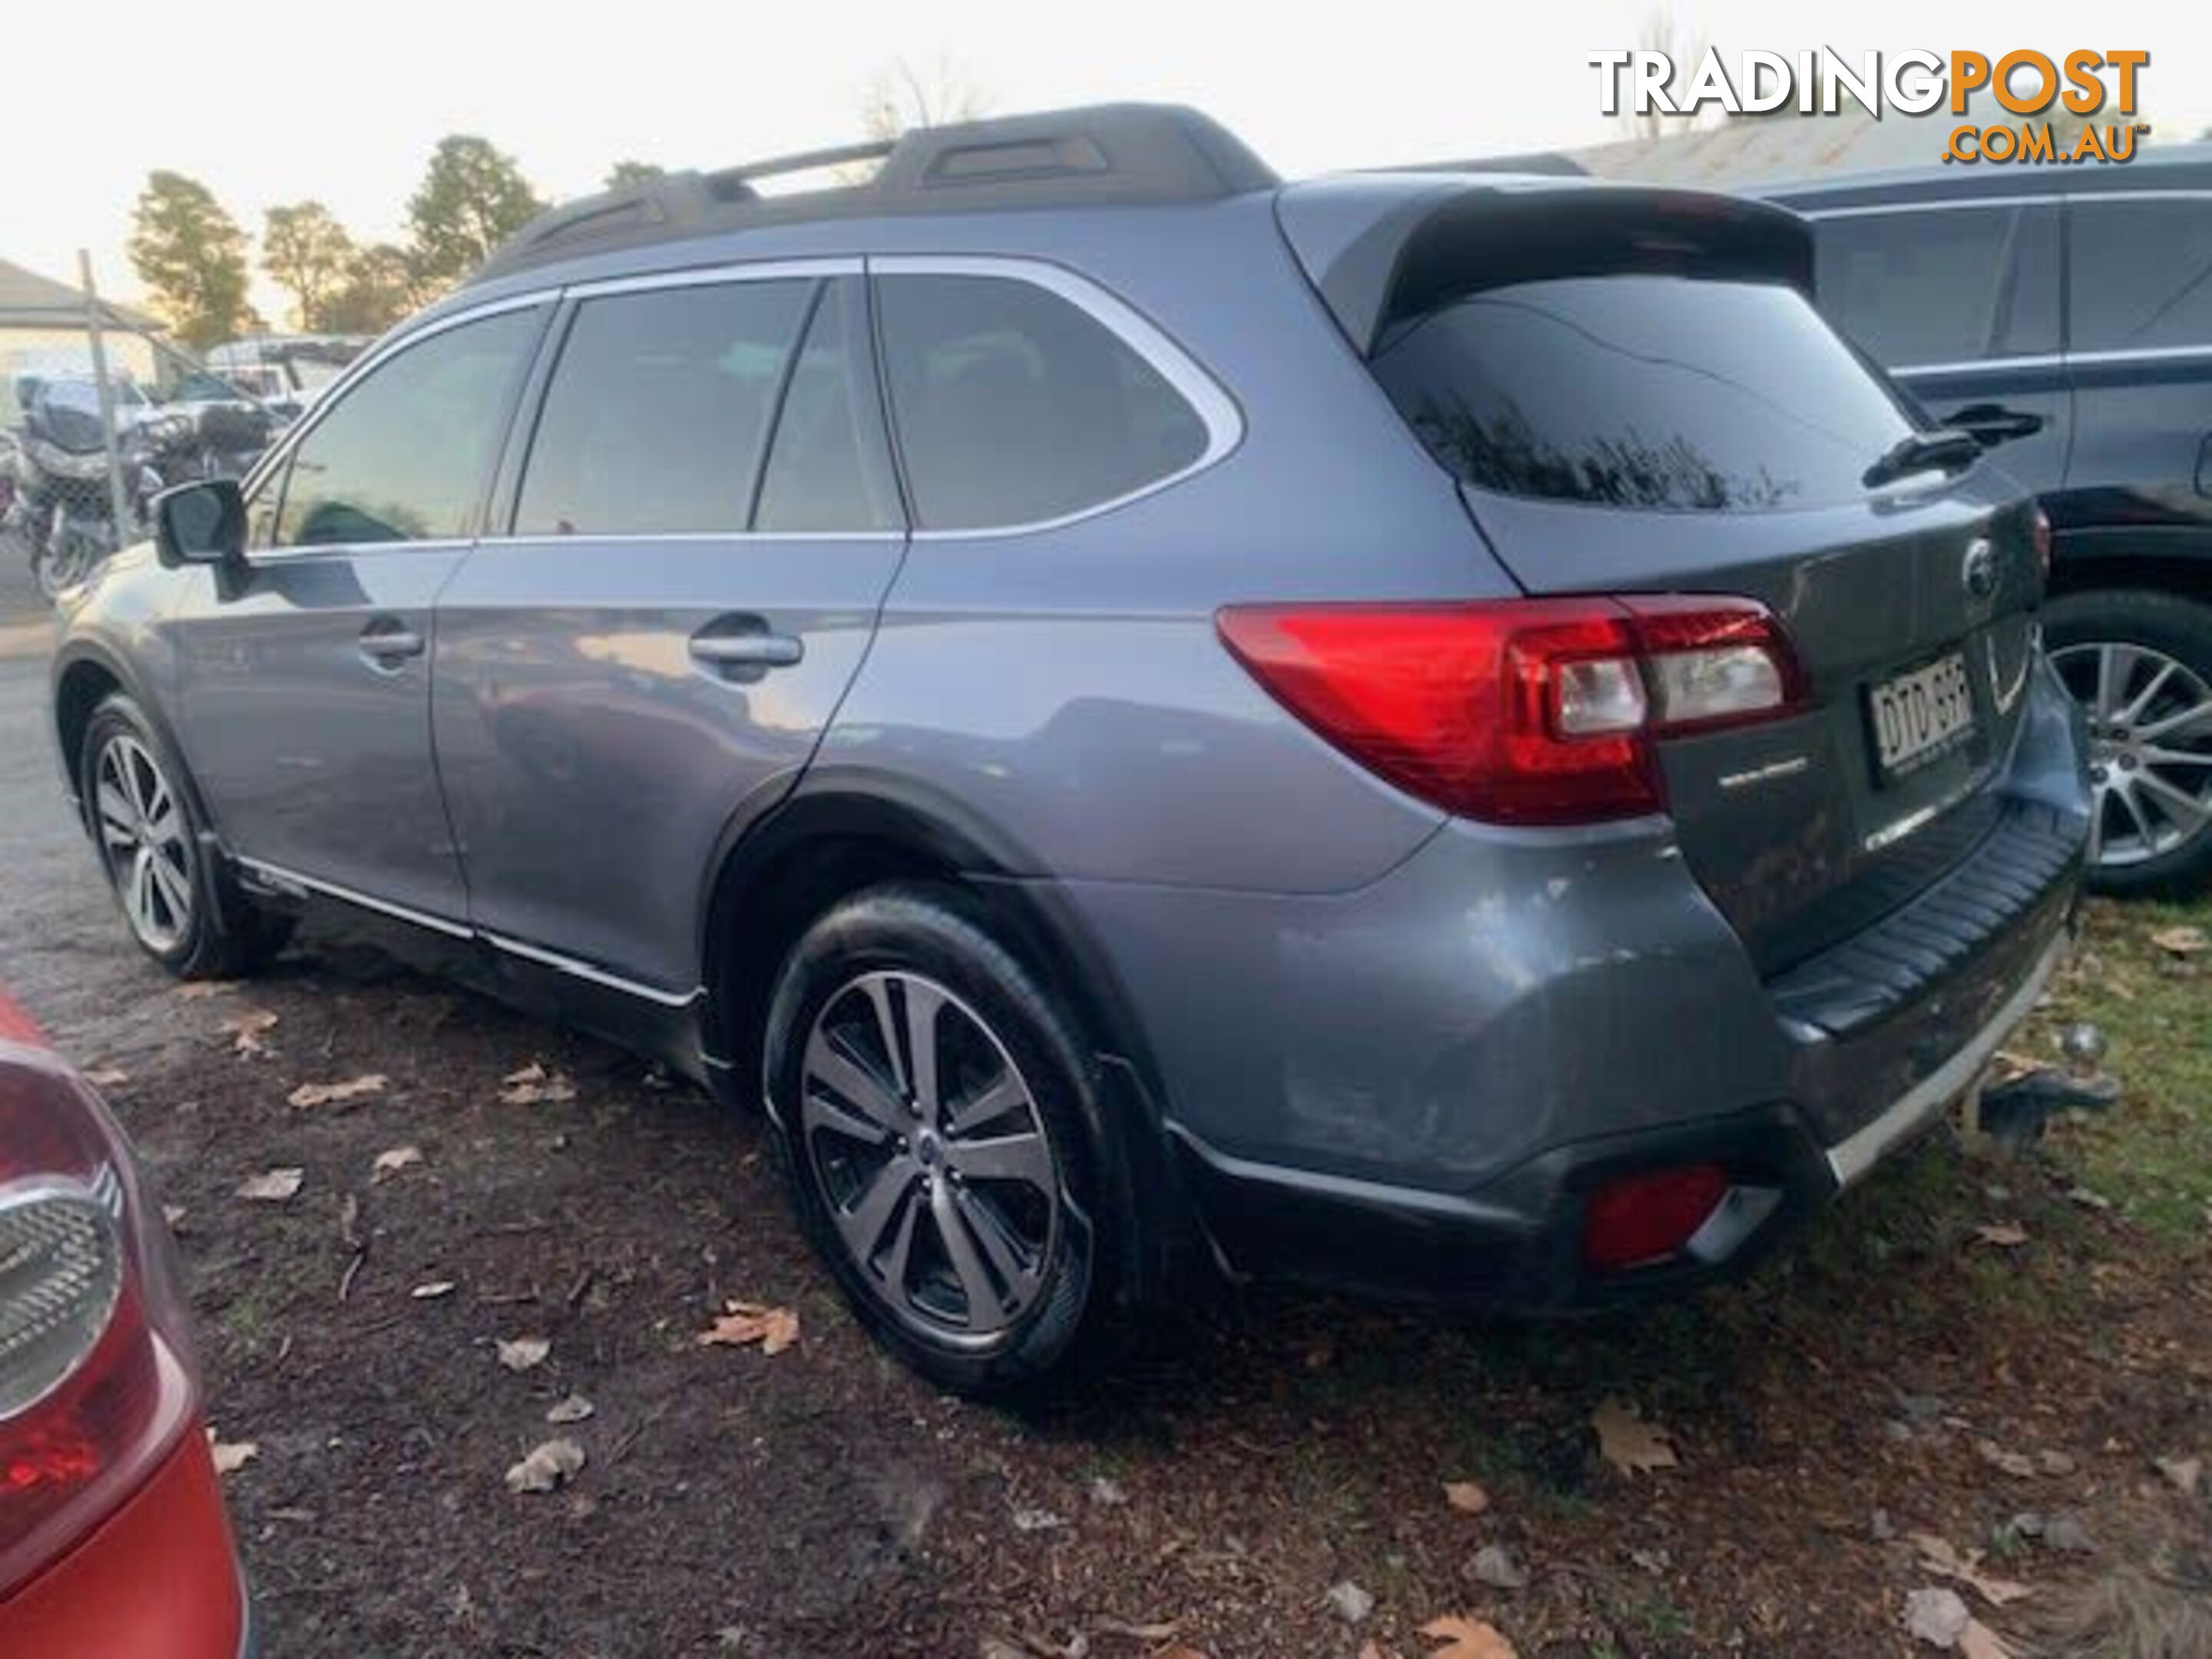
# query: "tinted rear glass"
{"type": "Point", "coordinates": [2142, 275]}
{"type": "Point", "coordinates": [1670, 393]}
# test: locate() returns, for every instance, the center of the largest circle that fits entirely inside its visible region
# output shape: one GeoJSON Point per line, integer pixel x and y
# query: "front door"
{"type": "Point", "coordinates": [304, 675]}
{"type": "Point", "coordinates": [698, 541]}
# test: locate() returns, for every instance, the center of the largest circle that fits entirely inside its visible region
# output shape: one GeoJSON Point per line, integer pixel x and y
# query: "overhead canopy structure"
{"type": "Point", "coordinates": [30, 300]}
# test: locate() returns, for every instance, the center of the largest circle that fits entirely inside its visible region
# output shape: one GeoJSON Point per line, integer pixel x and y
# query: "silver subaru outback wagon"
{"type": "Point", "coordinates": [1432, 732]}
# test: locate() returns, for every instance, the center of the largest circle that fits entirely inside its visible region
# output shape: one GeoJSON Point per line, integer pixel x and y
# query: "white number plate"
{"type": "Point", "coordinates": [1921, 715]}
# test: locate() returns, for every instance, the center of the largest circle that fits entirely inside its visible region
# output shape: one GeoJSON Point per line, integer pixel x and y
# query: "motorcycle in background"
{"type": "Point", "coordinates": [60, 504]}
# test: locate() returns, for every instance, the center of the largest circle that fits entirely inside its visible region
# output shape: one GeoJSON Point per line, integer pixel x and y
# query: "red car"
{"type": "Point", "coordinates": [112, 1537]}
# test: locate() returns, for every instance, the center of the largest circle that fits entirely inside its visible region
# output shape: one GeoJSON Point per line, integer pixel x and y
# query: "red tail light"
{"type": "Point", "coordinates": [1643, 1218]}
{"type": "Point", "coordinates": [1521, 711]}
{"type": "Point", "coordinates": [96, 1383]}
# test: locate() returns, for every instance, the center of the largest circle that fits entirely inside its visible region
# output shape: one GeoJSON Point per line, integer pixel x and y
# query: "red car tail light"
{"type": "Point", "coordinates": [96, 1383]}
{"type": "Point", "coordinates": [1639, 1219]}
{"type": "Point", "coordinates": [1521, 711]}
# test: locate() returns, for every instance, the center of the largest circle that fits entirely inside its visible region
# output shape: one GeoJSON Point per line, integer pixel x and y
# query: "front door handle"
{"type": "Point", "coordinates": [744, 650]}
{"type": "Point", "coordinates": [387, 641]}
{"type": "Point", "coordinates": [1993, 423]}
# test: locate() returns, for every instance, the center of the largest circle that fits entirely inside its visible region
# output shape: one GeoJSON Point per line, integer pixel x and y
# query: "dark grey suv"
{"type": "Point", "coordinates": [1436, 733]}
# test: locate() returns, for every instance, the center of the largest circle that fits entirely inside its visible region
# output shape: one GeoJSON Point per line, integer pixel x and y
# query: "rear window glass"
{"type": "Point", "coordinates": [1954, 285]}
{"type": "Point", "coordinates": [2142, 275]}
{"type": "Point", "coordinates": [1643, 392]}
{"type": "Point", "coordinates": [1014, 406]}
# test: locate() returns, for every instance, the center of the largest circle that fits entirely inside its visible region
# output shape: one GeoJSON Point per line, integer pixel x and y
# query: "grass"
{"type": "Point", "coordinates": [2152, 1156]}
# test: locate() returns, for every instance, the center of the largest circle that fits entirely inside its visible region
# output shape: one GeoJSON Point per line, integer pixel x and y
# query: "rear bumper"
{"type": "Point", "coordinates": [1415, 1087]}
{"type": "Point", "coordinates": [158, 1579]}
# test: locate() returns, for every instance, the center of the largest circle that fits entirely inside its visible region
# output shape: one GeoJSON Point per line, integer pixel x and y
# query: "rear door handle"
{"type": "Point", "coordinates": [740, 652]}
{"type": "Point", "coordinates": [386, 641]}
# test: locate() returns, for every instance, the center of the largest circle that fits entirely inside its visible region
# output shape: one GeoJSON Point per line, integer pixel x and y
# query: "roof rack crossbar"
{"type": "Point", "coordinates": [807, 161]}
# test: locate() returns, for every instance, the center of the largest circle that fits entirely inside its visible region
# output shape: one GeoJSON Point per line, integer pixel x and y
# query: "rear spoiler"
{"type": "Point", "coordinates": [1383, 248]}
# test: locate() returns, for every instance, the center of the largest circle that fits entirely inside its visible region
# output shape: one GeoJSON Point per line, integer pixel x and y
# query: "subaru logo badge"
{"type": "Point", "coordinates": [1979, 571]}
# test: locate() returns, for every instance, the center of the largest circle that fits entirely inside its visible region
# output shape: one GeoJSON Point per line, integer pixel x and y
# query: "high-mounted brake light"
{"type": "Point", "coordinates": [1521, 711]}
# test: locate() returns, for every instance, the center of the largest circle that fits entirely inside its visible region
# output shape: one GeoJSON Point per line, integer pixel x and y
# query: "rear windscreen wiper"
{"type": "Point", "coordinates": [1947, 447]}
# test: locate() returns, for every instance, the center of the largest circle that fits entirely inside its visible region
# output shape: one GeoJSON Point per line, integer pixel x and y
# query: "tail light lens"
{"type": "Point", "coordinates": [96, 1381]}
{"type": "Point", "coordinates": [1521, 711]}
{"type": "Point", "coordinates": [1644, 1218]}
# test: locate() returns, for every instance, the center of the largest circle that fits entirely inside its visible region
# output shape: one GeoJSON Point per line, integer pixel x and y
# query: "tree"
{"type": "Point", "coordinates": [899, 99]}
{"type": "Point", "coordinates": [191, 255]}
{"type": "Point", "coordinates": [624, 174]}
{"type": "Point", "coordinates": [378, 289]}
{"type": "Point", "coordinates": [1662, 32]}
{"type": "Point", "coordinates": [307, 251]}
{"type": "Point", "coordinates": [471, 199]}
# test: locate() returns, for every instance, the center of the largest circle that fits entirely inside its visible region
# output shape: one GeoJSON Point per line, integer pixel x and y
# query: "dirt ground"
{"type": "Point", "coordinates": [1900, 1373]}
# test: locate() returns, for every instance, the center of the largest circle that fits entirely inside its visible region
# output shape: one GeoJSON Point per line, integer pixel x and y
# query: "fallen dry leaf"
{"type": "Point", "coordinates": [329, 1094]}
{"type": "Point", "coordinates": [524, 1352]}
{"type": "Point", "coordinates": [1629, 1442]}
{"type": "Point", "coordinates": [1938, 1557]}
{"type": "Point", "coordinates": [107, 1077]}
{"type": "Point", "coordinates": [1978, 1641]}
{"type": "Point", "coordinates": [1467, 1639]}
{"type": "Point", "coordinates": [2018, 1465]}
{"type": "Point", "coordinates": [272, 1185]}
{"type": "Point", "coordinates": [1154, 1633]}
{"type": "Point", "coordinates": [231, 1456]}
{"type": "Point", "coordinates": [197, 990]}
{"type": "Point", "coordinates": [392, 1160]}
{"type": "Point", "coordinates": [2182, 941]}
{"type": "Point", "coordinates": [434, 1291]}
{"type": "Point", "coordinates": [574, 1409]}
{"type": "Point", "coordinates": [2186, 1473]}
{"type": "Point", "coordinates": [1467, 1497]}
{"type": "Point", "coordinates": [743, 1323]}
{"type": "Point", "coordinates": [1937, 1617]}
{"type": "Point", "coordinates": [244, 1031]}
{"type": "Point", "coordinates": [529, 1085]}
{"type": "Point", "coordinates": [548, 1466]}
{"type": "Point", "coordinates": [2005, 1235]}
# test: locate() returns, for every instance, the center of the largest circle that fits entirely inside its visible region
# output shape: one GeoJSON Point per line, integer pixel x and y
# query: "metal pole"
{"type": "Point", "coordinates": [118, 498]}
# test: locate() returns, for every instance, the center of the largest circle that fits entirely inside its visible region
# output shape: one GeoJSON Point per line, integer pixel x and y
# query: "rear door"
{"type": "Point", "coordinates": [1959, 301]}
{"type": "Point", "coordinates": [1669, 414]}
{"type": "Point", "coordinates": [696, 538]}
{"type": "Point", "coordinates": [305, 676]}
{"type": "Point", "coordinates": [2140, 350]}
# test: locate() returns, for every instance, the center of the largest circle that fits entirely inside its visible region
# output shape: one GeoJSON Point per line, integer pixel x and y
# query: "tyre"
{"type": "Point", "coordinates": [180, 907]}
{"type": "Point", "coordinates": [2140, 663]}
{"type": "Point", "coordinates": [937, 1121]}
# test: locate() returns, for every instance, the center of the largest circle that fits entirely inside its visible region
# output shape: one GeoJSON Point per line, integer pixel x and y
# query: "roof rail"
{"type": "Point", "coordinates": [1106, 154]}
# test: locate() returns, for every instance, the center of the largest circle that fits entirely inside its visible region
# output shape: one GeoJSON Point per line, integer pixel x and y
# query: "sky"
{"type": "Point", "coordinates": [270, 101]}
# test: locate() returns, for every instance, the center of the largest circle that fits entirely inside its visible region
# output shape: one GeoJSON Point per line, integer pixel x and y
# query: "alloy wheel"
{"type": "Point", "coordinates": [146, 841]}
{"type": "Point", "coordinates": [930, 1155]}
{"type": "Point", "coordinates": [2150, 758]}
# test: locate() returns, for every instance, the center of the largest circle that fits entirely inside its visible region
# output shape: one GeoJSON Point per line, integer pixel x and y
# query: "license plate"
{"type": "Point", "coordinates": [1921, 715]}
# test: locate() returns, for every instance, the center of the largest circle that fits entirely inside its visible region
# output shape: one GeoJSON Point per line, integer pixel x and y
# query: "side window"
{"type": "Point", "coordinates": [1955, 284]}
{"type": "Point", "coordinates": [2142, 275]}
{"type": "Point", "coordinates": [656, 412]}
{"type": "Point", "coordinates": [819, 476]}
{"type": "Point", "coordinates": [261, 508]}
{"type": "Point", "coordinates": [1011, 404]}
{"type": "Point", "coordinates": [403, 456]}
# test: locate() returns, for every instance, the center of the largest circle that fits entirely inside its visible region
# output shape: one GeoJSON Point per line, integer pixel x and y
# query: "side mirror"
{"type": "Point", "coordinates": [201, 523]}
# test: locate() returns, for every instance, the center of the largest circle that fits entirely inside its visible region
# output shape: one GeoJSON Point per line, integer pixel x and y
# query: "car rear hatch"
{"type": "Point", "coordinates": [1638, 398]}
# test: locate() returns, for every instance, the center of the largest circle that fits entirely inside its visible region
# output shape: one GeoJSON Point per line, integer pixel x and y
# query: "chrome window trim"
{"type": "Point", "coordinates": [1216, 410]}
{"type": "Point", "coordinates": [1951, 203]}
{"type": "Point", "coordinates": [759, 270]}
{"type": "Point", "coordinates": [279, 877]}
{"type": "Point", "coordinates": [2061, 360]}
{"type": "Point", "coordinates": [644, 538]}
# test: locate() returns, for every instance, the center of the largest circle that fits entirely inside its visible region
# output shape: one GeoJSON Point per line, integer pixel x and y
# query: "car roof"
{"type": "Point", "coordinates": [2161, 167]}
{"type": "Point", "coordinates": [1105, 156]}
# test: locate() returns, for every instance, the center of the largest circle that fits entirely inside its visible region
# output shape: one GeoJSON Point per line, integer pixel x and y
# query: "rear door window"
{"type": "Point", "coordinates": [1642, 390]}
{"type": "Point", "coordinates": [2142, 275]}
{"type": "Point", "coordinates": [654, 418]}
{"type": "Point", "coordinates": [1956, 284]}
{"type": "Point", "coordinates": [826, 471]}
{"type": "Point", "coordinates": [1012, 406]}
{"type": "Point", "coordinates": [405, 455]}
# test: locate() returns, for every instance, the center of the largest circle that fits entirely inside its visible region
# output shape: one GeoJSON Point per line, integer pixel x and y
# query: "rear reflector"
{"type": "Point", "coordinates": [1521, 711]}
{"type": "Point", "coordinates": [1641, 1219]}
